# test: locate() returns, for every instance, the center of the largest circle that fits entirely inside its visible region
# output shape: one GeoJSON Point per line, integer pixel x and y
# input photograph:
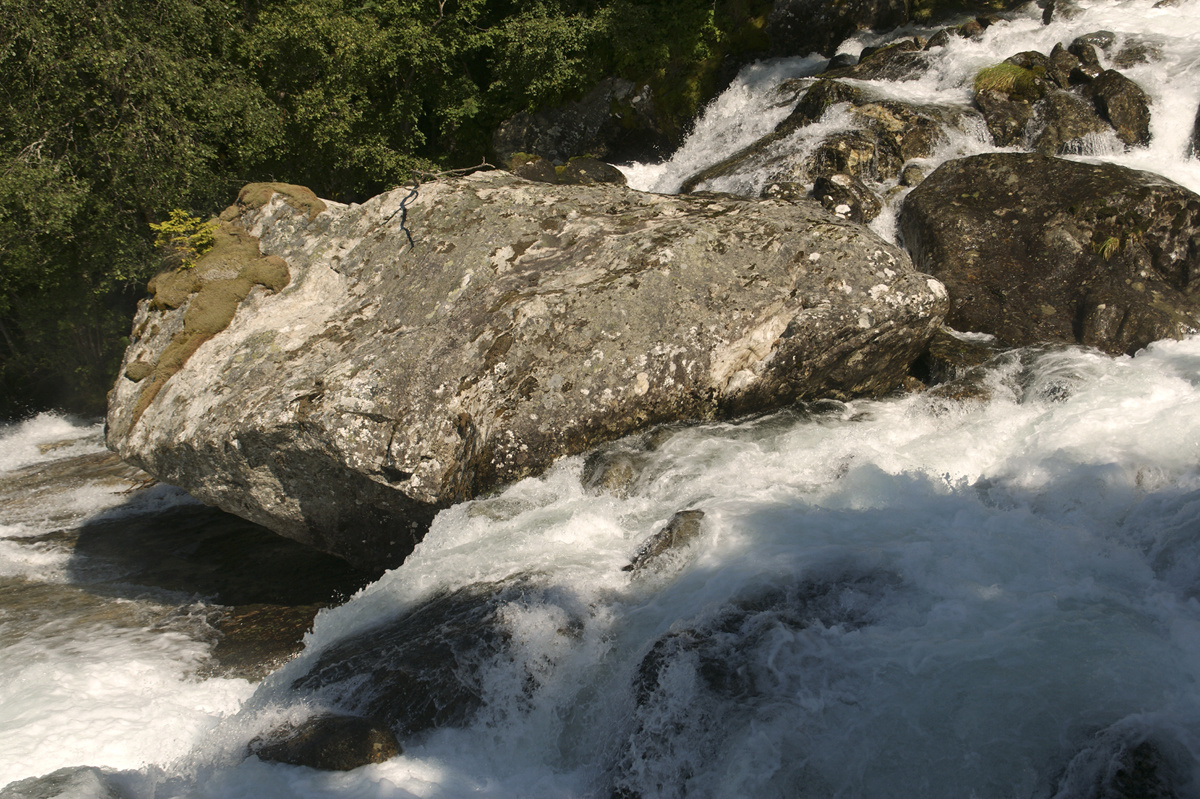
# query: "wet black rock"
{"type": "Point", "coordinates": [882, 137]}
{"type": "Point", "coordinates": [897, 61]}
{"type": "Point", "coordinates": [683, 528]}
{"type": "Point", "coordinates": [1041, 249]}
{"type": "Point", "coordinates": [951, 355]}
{"type": "Point", "coordinates": [330, 743]}
{"type": "Point", "coordinates": [1063, 121]}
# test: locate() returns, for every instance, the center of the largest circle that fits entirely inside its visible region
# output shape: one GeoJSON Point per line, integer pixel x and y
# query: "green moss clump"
{"type": "Point", "coordinates": [216, 286]}
{"type": "Point", "coordinates": [256, 195]}
{"type": "Point", "coordinates": [1012, 80]}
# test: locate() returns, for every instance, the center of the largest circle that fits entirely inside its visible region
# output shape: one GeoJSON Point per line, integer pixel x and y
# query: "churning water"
{"type": "Point", "coordinates": [909, 597]}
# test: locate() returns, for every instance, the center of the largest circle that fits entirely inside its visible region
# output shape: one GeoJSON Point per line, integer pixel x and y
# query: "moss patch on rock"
{"type": "Point", "coordinates": [213, 289]}
{"type": "Point", "coordinates": [256, 195]}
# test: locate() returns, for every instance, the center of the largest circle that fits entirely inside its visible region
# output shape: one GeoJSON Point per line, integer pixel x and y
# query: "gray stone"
{"type": "Point", "coordinates": [526, 322]}
{"type": "Point", "coordinates": [1037, 249]}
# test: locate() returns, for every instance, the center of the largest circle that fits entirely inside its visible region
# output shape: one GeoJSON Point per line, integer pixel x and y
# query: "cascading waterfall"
{"type": "Point", "coordinates": [914, 596]}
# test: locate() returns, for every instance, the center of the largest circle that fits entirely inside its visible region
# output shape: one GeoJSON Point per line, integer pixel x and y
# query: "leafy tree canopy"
{"type": "Point", "coordinates": [115, 112]}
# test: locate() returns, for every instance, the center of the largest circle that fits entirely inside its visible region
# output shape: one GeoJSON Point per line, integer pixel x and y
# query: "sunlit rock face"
{"type": "Point", "coordinates": [523, 322]}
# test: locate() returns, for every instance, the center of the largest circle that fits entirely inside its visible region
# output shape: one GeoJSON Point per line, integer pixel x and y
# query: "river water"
{"type": "Point", "coordinates": [908, 597]}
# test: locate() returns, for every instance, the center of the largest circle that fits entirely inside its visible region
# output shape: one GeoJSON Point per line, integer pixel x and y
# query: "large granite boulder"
{"type": "Point", "coordinates": [525, 322]}
{"type": "Point", "coordinates": [1036, 249]}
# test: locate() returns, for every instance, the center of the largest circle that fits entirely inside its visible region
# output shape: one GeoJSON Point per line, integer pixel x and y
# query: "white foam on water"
{"type": "Point", "coordinates": [104, 696]}
{"type": "Point", "coordinates": [46, 437]}
{"type": "Point", "coordinates": [1034, 557]}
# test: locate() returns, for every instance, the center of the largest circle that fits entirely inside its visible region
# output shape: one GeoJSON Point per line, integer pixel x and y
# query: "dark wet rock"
{"type": "Point", "coordinates": [952, 355]}
{"type": "Point", "coordinates": [1041, 249]}
{"type": "Point", "coordinates": [1194, 142]}
{"type": "Point", "coordinates": [529, 322]}
{"type": "Point", "coordinates": [615, 120]}
{"type": "Point", "coordinates": [898, 61]}
{"type": "Point", "coordinates": [847, 196]}
{"type": "Point", "coordinates": [704, 681]}
{"type": "Point", "coordinates": [1123, 764]}
{"type": "Point", "coordinates": [419, 671]}
{"type": "Point", "coordinates": [1062, 123]}
{"type": "Point", "coordinates": [330, 743]}
{"type": "Point", "coordinates": [425, 668]}
{"type": "Point", "coordinates": [912, 175]}
{"type": "Point", "coordinates": [533, 167]}
{"type": "Point", "coordinates": [840, 61]}
{"type": "Point", "coordinates": [1085, 51]}
{"type": "Point", "coordinates": [1123, 103]}
{"type": "Point", "coordinates": [1134, 51]}
{"type": "Point", "coordinates": [1060, 65]}
{"type": "Point", "coordinates": [74, 782]}
{"type": "Point", "coordinates": [612, 470]}
{"type": "Point", "coordinates": [585, 171]}
{"type": "Point", "coordinates": [1006, 118]}
{"type": "Point", "coordinates": [683, 528]}
{"type": "Point", "coordinates": [1098, 40]}
{"type": "Point", "coordinates": [939, 39]}
{"type": "Point", "coordinates": [254, 640]}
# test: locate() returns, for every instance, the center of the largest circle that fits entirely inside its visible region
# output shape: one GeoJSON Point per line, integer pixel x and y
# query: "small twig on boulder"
{"type": "Point", "coordinates": [417, 177]}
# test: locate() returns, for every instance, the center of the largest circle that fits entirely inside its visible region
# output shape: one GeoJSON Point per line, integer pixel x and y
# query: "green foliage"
{"type": "Point", "coordinates": [183, 238]}
{"type": "Point", "coordinates": [109, 112]}
{"type": "Point", "coordinates": [113, 111]}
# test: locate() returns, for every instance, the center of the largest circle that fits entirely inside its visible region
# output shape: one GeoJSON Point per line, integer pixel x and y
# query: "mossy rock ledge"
{"type": "Point", "coordinates": [527, 322]}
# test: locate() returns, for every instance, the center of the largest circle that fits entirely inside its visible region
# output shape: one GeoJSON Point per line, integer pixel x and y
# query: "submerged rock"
{"type": "Point", "coordinates": [1041, 249]}
{"type": "Point", "coordinates": [1122, 764]}
{"type": "Point", "coordinates": [683, 528]}
{"type": "Point", "coordinates": [76, 782]}
{"type": "Point", "coordinates": [331, 743]}
{"type": "Point", "coordinates": [526, 322]}
{"type": "Point", "coordinates": [427, 667]}
{"type": "Point", "coordinates": [704, 683]}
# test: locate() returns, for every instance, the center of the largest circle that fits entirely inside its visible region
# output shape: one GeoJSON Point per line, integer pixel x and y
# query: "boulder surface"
{"type": "Point", "coordinates": [1033, 249]}
{"type": "Point", "coordinates": [525, 322]}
